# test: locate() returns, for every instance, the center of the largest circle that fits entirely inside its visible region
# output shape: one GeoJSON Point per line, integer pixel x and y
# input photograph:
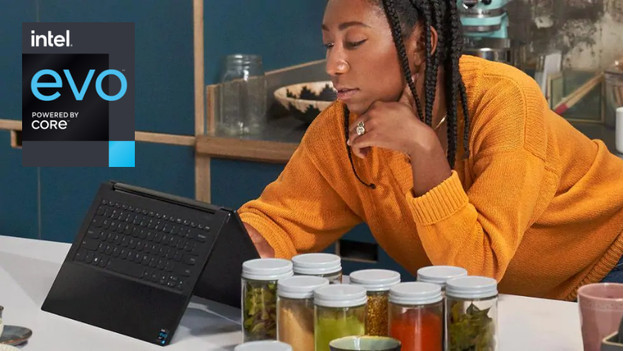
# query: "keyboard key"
{"type": "Point", "coordinates": [169, 266]}
{"type": "Point", "coordinates": [200, 237]}
{"type": "Point", "coordinates": [182, 270]}
{"type": "Point", "coordinates": [92, 234]}
{"type": "Point", "coordinates": [190, 259]}
{"type": "Point", "coordinates": [89, 257]}
{"type": "Point", "coordinates": [80, 255]}
{"type": "Point", "coordinates": [90, 244]}
{"type": "Point", "coordinates": [171, 283]}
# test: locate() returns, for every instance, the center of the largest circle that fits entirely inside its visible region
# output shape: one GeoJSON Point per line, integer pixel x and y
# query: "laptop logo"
{"type": "Point", "coordinates": [163, 335]}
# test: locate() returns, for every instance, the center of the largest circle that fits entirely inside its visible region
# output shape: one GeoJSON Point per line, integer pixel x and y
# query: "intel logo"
{"type": "Point", "coordinates": [49, 40]}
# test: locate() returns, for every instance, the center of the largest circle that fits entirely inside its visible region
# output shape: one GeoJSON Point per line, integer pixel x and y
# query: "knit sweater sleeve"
{"type": "Point", "coordinates": [480, 228]}
{"type": "Point", "coordinates": [301, 211]}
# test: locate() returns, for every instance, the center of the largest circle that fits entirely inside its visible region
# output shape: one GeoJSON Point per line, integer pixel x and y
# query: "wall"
{"type": "Point", "coordinates": [588, 32]}
{"type": "Point", "coordinates": [50, 203]}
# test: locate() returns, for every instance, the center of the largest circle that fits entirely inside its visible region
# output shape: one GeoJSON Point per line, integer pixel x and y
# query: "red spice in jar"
{"type": "Point", "coordinates": [418, 330]}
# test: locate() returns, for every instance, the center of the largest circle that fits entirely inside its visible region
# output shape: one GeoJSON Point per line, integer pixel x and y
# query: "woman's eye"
{"type": "Point", "coordinates": [328, 45]}
{"type": "Point", "coordinates": [354, 44]}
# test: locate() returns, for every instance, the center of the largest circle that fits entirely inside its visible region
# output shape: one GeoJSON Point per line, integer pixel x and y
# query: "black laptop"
{"type": "Point", "coordinates": [139, 257]}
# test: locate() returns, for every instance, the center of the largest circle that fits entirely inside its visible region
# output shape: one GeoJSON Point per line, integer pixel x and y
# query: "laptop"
{"type": "Point", "coordinates": [141, 254]}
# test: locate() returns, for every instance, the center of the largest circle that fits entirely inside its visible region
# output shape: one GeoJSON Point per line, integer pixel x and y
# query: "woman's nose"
{"type": "Point", "coordinates": [336, 65]}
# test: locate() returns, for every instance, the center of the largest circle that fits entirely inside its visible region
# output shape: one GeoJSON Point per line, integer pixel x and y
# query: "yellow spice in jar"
{"type": "Point", "coordinates": [295, 323]}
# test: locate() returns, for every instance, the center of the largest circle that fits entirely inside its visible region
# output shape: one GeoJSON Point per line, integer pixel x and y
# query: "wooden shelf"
{"type": "Point", "coordinates": [245, 149]}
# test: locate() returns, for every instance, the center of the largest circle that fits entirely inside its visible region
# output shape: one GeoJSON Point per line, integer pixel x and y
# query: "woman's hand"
{"type": "Point", "coordinates": [395, 126]}
{"type": "Point", "coordinates": [262, 246]}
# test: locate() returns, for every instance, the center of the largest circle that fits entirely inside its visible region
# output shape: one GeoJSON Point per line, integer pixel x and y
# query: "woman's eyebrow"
{"type": "Point", "coordinates": [345, 25]}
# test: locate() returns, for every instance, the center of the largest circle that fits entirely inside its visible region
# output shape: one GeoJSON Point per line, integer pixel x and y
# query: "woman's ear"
{"type": "Point", "coordinates": [415, 46]}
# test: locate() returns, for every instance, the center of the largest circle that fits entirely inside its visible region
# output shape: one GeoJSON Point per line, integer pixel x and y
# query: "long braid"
{"type": "Point", "coordinates": [397, 35]}
{"type": "Point", "coordinates": [430, 70]}
{"type": "Point", "coordinates": [457, 46]}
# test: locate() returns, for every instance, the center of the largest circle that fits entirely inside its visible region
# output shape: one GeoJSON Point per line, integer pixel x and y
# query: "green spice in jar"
{"type": "Point", "coordinates": [259, 310]}
{"type": "Point", "coordinates": [333, 323]}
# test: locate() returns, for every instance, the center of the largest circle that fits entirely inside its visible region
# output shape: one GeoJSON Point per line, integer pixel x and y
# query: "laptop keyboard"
{"type": "Point", "coordinates": [144, 244]}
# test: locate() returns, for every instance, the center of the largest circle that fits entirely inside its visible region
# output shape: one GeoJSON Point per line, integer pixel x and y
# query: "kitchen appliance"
{"type": "Point", "coordinates": [485, 24]}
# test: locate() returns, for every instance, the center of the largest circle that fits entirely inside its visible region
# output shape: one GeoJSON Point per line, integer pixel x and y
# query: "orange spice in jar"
{"type": "Point", "coordinates": [377, 283]}
{"type": "Point", "coordinates": [416, 315]}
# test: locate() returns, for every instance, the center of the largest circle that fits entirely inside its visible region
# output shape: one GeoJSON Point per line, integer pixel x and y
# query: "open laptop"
{"type": "Point", "coordinates": [139, 257]}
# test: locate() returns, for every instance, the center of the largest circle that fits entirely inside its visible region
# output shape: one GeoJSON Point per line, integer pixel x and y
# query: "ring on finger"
{"type": "Point", "coordinates": [360, 130]}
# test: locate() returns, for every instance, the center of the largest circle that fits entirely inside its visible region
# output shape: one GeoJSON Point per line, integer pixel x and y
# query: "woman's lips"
{"type": "Point", "coordinates": [345, 94]}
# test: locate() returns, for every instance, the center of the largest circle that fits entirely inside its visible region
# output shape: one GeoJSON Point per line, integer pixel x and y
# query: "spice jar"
{"type": "Point", "coordinates": [415, 313]}
{"type": "Point", "coordinates": [264, 345]}
{"type": "Point", "coordinates": [471, 313]}
{"type": "Point", "coordinates": [377, 283]}
{"type": "Point", "coordinates": [259, 296]}
{"type": "Point", "coordinates": [319, 264]}
{"type": "Point", "coordinates": [242, 98]}
{"type": "Point", "coordinates": [339, 310]}
{"type": "Point", "coordinates": [439, 275]}
{"type": "Point", "coordinates": [295, 311]}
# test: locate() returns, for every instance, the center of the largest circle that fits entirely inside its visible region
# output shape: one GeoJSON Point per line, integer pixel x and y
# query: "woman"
{"type": "Point", "coordinates": [520, 195]}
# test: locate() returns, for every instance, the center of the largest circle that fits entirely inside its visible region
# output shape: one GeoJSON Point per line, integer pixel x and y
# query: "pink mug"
{"type": "Point", "coordinates": [600, 305]}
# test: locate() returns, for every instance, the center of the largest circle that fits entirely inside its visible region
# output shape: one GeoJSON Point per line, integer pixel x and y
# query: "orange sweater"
{"type": "Point", "coordinates": [537, 205]}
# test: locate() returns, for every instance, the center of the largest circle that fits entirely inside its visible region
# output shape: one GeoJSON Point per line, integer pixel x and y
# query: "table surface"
{"type": "Point", "coordinates": [28, 268]}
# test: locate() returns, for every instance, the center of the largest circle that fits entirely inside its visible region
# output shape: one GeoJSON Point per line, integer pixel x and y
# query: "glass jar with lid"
{"type": "Point", "coordinates": [242, 96]}
{"type": "Point", "coordinates": [319, 264]}
{"type": "Point", "coordinates": [440, 274]}
{"type": "Point", "coordinates": [263, 345]}
{"type": "Point", "coordinates": [295, 310]}
{"type": "Point", "coordinates": [377, 283]}
{"type": "Point", "coordinates": [415, 314]}
{"type": "Point", "coordinates": [471, 313]}
{"type": "Point", "coordinates": [259, 296]}
{"type": "Point", "coordinates": [339, 310]}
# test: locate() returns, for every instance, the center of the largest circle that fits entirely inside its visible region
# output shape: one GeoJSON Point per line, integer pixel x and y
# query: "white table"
{"type": "Point", "coordinates": [28, 268]}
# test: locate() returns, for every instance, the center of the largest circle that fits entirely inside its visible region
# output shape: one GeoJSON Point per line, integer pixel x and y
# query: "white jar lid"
{"type": "Point", "coordinates": [471, 287]}
{"type": "Point", "coordinates": [340, 295]}
{"type": "Point", "coordinates": [415, 293]}
{"type": "Point", "coordinates": [263, 345]}
{"type": "Point", "coordinates": [440, 274]}
{"type": "Point", "coordinates": [316, 263]}
{"type": "Point", "coordinates": [300, 287]}
{"type": "Point", "coordinates": [375, 279]}
{"type": "Point", "coordinates": [267, 269]}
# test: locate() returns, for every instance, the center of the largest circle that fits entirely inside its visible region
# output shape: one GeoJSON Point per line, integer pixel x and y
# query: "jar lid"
{"type": "Point", "coordinates": [300, 287]}
{"type": "Point", "coordinates": [340, 295]}
{"type": "Point", "coordinates": [375, 279]}
{"type": "Point", "coordinates": [263, 345]}
{"type": "Point", "coordinates": [316, 263]}
{"type": "Point", "coordinates": [415, 293]}
{"type": "Point", "coordinates": [471, 287]}
{"type": "Point", "coordinates": [267, 269]}
{"type": "Point", "coordinates": [440, 274]}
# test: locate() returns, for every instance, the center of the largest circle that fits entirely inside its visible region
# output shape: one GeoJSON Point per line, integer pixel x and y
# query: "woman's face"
{"type": "Point", "coordinates": [361, 57]}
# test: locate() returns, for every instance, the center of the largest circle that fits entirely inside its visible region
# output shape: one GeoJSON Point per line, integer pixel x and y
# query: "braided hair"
{"type": "Point", "coordinates": [403, 15]}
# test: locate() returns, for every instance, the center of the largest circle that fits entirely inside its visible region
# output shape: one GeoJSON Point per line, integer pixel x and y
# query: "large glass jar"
{"type": "Point", "coordinates": [264, 345]}
{"type": "Point", "coordinates": [377, 283]}
{"type": "Point", "coordinates": [242, 97]}
{"type": "Point", "coordinates": [339, 310]}
{"type": "Point", "coordinates": [415, 315]}
{"type": "Point", "coordinates": [319, 264]}
{"type": "Point", "coordinates": [439, 275]}
{"type": "Point", "coordinates": [295, 311]}
{"type": "Point", "coordinates": [259, 296]}
{"type": "Point", "coordinates": [471, 313]}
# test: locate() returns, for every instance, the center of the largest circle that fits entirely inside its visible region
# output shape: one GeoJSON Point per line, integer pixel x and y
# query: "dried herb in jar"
{"type": "Point", "coordinates": [259, 309]}
{"type": "Point", "coordinates": [472, 330]}
{"type": "Point", "coordinates": [377, 314]}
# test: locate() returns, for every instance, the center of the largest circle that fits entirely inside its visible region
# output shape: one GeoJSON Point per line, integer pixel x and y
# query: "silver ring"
{"type": "Point", "coordinates": [360, 130]}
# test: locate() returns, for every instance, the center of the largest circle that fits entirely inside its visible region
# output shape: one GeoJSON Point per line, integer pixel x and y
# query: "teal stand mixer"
{"type": "Point", "coordinates": [485, 24]}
